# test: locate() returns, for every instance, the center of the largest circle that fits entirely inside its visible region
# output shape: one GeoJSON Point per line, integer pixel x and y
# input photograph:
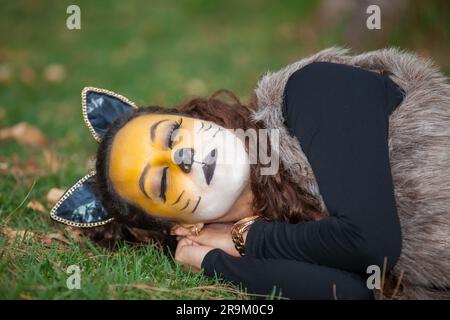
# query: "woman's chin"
{"type": "Point", "coordinates": [217, 219]}
{"type": "Point", "coordinates": [228, 217]}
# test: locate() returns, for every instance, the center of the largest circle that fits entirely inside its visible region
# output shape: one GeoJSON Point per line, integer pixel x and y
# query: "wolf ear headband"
{"type": "Point", "coordinates": [80, 205]}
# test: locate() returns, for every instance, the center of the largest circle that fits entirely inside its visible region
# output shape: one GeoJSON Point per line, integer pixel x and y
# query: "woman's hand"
{"type": "Point", "coordinates": [216, 235]}
{"type": "Point", "coordinates": [191, 254]}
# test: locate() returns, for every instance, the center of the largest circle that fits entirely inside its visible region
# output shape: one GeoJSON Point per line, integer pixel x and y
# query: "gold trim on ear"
{"type": "Point", "coordinates": [65, 196]}
{"type": "Point", "coordinates": [84, 106]}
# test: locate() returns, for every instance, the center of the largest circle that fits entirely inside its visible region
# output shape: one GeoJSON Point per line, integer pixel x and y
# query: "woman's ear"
{"type": "Point", "coordinates": [186, 229]}
{"type": "Point", "coordinates": [101, 108]}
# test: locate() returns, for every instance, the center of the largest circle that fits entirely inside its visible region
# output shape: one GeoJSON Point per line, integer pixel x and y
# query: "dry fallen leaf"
{"type": "Point", "coordinates": [27, 75]}
{"type": "Point", "coordinates": [55, 73]}
{"type": "Point", "coordinates": [18, 168]}
{"type": "Point", "coordinates": [76, 234]}
{"type": "Point", "coordinates": [25, 296]}
{"type": "Point", "coordinates": [13, 234]}
{"type": "Point", "coordinates": [58, 236]}
{"type": "Point", "coordinates": [2, 113]}
{"type": "Point", "coordinates": [4, 166]}
{"type": "Point", "coordinates": [36, 206]}
{"type": "Point", "coordinates": [26, 134]}
{"type": "Point", "coordinates": [196, 87]}
{"type": "Point", "coordinates": [54, 195]}
{"type": "Point", "coordinates": [52, 161]}
{"type": "Point", "coordinates": [6, 73]}
{"type": "Point", "coordinates": [65, 236]}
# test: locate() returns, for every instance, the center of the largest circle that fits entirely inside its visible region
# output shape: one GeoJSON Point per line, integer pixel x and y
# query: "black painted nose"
{"type": "Point", "coordinates": [184, 158]}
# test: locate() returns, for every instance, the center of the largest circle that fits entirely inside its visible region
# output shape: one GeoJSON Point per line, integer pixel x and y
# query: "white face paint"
{"type": "Point", "coordinates": [220, 170]}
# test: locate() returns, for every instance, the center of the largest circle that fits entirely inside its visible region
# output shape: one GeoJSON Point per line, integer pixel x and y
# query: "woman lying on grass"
{"type": "Point", "coordinates": [359, 175]}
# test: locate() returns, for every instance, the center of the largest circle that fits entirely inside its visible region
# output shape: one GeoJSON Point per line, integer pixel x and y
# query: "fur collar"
{"type": "Point", "coordinates": [419, 143]}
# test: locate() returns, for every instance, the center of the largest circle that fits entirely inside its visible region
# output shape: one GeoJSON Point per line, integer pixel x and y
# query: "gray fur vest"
{"type": "Point", "coordinates": [419, 144]}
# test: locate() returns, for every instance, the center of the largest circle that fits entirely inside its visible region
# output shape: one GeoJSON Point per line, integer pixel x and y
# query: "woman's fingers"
{"type": "Point", "coordinates": [187, 268]}
{"type": "Point", "coordinates": [180, 231]}
{"type": "Point", "coordinates": [204, 238]}
{"type": "Point", "coordinates": [183, 231]}
{"type": "Point", "coordinates": [184, 242]}
{"type": "Point", "coordinates": [190, 254]}
{"type": "Point", "coordinates": [214, 236]}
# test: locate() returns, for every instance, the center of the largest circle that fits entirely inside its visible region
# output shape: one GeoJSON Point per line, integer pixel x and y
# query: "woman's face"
{"type": "Point", "coordinates": [178, 167]}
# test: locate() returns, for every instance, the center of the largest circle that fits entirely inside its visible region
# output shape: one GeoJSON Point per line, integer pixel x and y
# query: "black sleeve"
{"type": "Point", "coordinates": [286, 278]}
{"type": "Point", "coordinates": [340, 116]}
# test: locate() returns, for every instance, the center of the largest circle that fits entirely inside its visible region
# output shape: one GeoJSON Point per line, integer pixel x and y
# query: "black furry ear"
{"type": "Point", "coordinates": [101, 108]}
{"type": "Point", "coordinates": [80, 206]}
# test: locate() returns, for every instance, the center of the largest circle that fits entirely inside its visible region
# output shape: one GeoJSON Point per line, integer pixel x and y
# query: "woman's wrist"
{"type": "Point", "coordinates": [254, 239]}
{"type": "Point", "coordinates": [239, 233]}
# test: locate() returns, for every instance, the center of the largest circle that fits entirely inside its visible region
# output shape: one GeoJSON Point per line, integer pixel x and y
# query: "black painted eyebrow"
{"type": "Point", "coordinates": [153, 128]}
{"type": "Point", "coordinates": [142, 180]}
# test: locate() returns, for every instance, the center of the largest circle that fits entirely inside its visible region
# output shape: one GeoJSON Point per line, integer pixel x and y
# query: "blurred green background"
{"type": "Point", "coordinates": [153, 52]}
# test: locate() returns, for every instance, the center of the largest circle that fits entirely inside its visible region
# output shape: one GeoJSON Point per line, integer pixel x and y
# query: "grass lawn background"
{"type": "Point", "coordinates": [153, 52]}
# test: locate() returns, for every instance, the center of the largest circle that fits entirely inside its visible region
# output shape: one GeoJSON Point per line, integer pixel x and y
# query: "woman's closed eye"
{"type": "Point", "coordinates": [163, 186]}
{"type": "Point", "coordinates": [172, 132]}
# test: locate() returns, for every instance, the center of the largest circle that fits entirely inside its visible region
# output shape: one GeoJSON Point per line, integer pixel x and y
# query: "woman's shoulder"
{"type": "Point", "coordinates": [328, 99]}
{"type": "Point", "coordinates": [320, 76]}
{"type": "Point", "coordinates": [314, 87]}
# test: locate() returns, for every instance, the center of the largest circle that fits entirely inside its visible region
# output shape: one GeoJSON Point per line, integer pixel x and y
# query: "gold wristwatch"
{"type": "Point", "coordinates": [237, 231]}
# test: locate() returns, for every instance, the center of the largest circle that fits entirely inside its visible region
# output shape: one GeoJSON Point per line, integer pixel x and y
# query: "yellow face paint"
{"type": "Point", "coordinates": [178, 167]}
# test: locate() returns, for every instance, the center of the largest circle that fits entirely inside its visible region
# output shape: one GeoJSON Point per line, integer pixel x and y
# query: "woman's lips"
{"type": "Point", "coordinates": [209, 165]}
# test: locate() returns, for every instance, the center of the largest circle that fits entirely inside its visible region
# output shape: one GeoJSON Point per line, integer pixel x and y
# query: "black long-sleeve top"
{"type": "Point", "coordinates": [340, 115]}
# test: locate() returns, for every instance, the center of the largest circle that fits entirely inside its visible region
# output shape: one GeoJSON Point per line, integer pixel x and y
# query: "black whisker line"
{"type": "Point", "coordinates": [196, 205]}
{"type": "Point", "coordinates": [201, 162]}
{"type": "Point", "coordinates": [203, 124]}
{"type": "Point", "coordinates": [210, 126]}
{"type": "Point", "coordinates": [187, 203]}
{"type": "Point", "coordinates": [178, 199]}
{"type": "Point", "coordinates": [218, 130]}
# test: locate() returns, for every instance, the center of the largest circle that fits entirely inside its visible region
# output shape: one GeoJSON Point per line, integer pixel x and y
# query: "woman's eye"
{"type": "Point", "coordinates": [163, 186]}
{"type": "Point", "coordinates": [172, 133]}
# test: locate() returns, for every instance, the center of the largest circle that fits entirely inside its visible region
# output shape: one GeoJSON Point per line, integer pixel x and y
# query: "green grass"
{"type": "Point", "coordinates": [153, 52]}
{"type": "Point", "coordinates": [31, 270]}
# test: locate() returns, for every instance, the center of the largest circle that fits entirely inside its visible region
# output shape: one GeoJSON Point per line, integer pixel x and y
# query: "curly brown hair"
{"type": "Point", "coordinates": [287, 201]}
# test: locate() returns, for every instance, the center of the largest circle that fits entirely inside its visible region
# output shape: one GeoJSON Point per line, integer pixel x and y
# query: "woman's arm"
{"type": "Point", "coordinates": [340, 116]}
{"type": "Point", "coordinates": [290, 279]}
